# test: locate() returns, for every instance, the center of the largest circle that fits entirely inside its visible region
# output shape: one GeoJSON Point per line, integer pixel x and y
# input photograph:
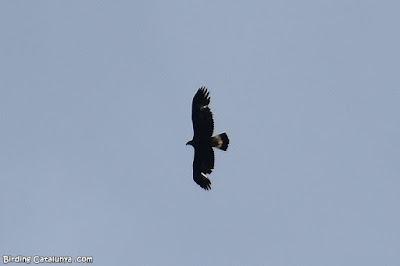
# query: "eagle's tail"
{"type": "Point", "coordinates": [221, 141]}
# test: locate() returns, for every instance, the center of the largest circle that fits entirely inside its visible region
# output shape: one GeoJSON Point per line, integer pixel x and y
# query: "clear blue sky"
{"type": "Point", "coordinates": [95, 112]}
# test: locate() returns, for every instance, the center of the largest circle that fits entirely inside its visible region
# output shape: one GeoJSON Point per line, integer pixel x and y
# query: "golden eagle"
{"type": "Point", "coordinates": [203, 141]}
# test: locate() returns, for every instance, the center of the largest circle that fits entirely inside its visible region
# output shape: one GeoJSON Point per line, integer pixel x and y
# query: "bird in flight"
{"type": "Point", "coordinates": [203, 141]}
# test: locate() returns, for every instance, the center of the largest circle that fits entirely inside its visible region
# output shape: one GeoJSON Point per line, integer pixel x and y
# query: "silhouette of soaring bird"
{"type": "Point", "coordinates": [203, 141]}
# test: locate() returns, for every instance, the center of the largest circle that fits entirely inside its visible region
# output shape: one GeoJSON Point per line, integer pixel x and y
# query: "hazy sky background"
{"type": "Point", "coordinates": [95, 106]}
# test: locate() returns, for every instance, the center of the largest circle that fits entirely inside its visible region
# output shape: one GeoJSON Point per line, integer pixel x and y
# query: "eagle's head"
{"type": "Point", "coordinates": [190, 142]}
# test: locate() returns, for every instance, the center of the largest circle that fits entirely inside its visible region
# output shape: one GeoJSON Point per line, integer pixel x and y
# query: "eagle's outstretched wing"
{"type": "Point", "coordinates": [199, 176]}
{"type": "Point", "coordinates": [203, 122]}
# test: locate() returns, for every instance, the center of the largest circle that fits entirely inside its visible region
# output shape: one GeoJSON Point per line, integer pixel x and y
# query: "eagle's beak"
{"type": "Point", "coordinates": [189, 142]}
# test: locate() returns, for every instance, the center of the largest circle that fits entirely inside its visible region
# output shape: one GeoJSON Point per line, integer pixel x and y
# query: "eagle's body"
{"type": "Point", "coordinates": [203, 141]}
